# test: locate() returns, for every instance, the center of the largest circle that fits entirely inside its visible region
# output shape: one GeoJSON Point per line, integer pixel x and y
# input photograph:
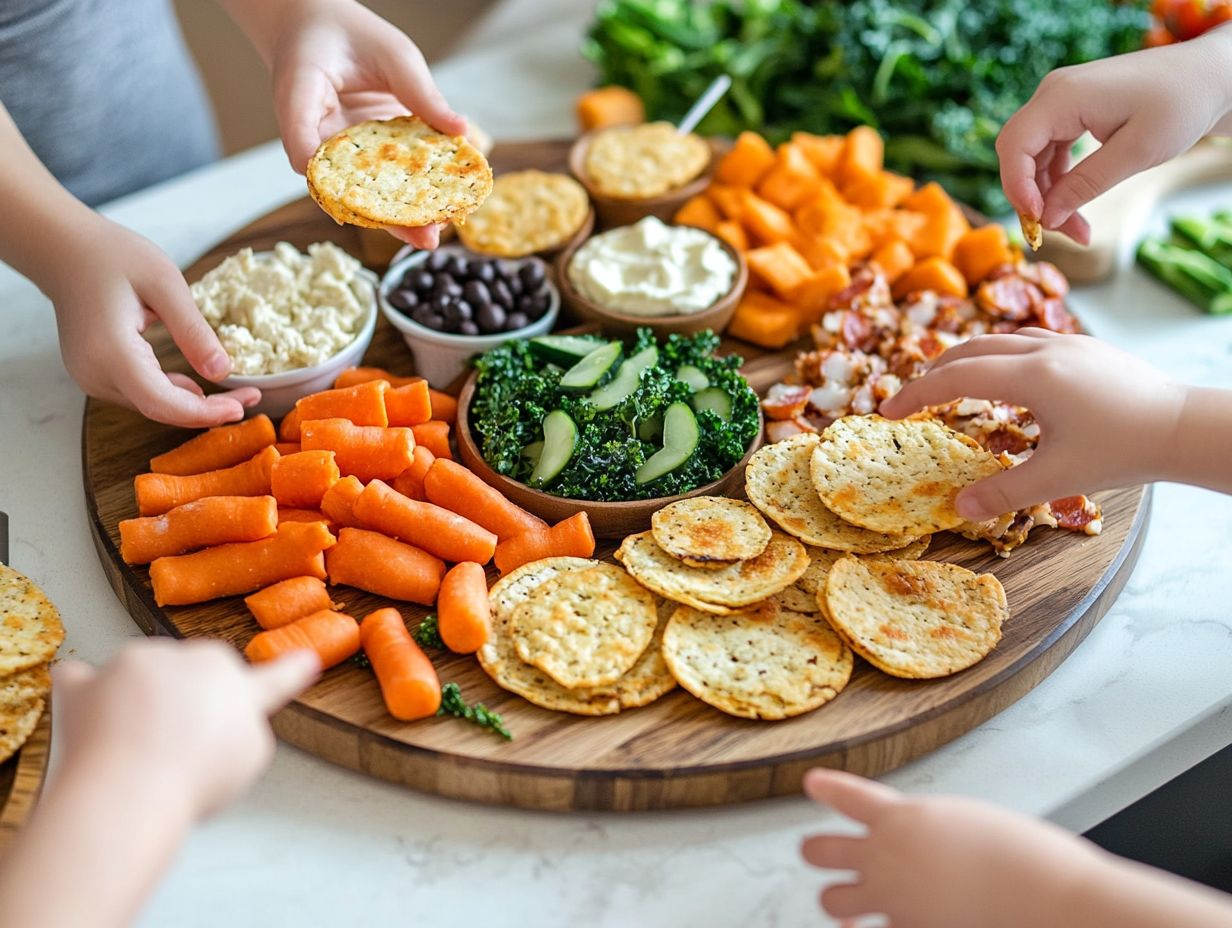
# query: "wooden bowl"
{"type": "Point", "coordinates": [715, 317]}
{"type": "Point", "coordinates": [607, 520]}
{"type": "Point", "coordinates": [620, 211]}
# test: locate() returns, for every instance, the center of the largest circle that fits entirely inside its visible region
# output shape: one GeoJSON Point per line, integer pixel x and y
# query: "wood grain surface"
{"type": "Point", "coordinates": [678, 751]}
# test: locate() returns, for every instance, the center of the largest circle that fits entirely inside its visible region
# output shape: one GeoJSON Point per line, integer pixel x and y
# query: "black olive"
{"type": "Point", "coordinates": [516, 321]}
{"type": "Point", "coordinates": [435, 321]}
{"type": "Point", "coordinates": [476, 293]}
{"type": "Point", "coordinates": [531, 275]}
{"type": "Point", "coordinates": [424, 315]}
{"type": "Point", "coordinates": [436, 261]}
{"type": "Point", "coordinates": [482, 269]}
{"type": "Point", "coordinates": [419, 280]}
{"type": "Point", "coordinates": [468, 328]}
{"type": "Point", "coordinates": [501, 294]}
{"type": "Point", "coordinates": [491, 318]}
{"type": "Point", "coordinates": [441, 302]}
{"type": "Point", "coordinates": [404, 300]}
{"type": "Point", "coordinates": [456, 266]}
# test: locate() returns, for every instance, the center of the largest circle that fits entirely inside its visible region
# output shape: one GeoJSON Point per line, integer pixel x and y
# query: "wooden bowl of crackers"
{"type": "Point", "coordinates": [607, 520]}
{"type": "Point", "coordinates": [529, 213]}
{"type": "Point", "coordinates": [645, 170]}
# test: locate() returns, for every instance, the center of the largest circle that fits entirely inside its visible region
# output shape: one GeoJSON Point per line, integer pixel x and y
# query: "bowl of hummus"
{"type": "Point", "coordinates": [673, 279]}
{"type": "Point", "coordinates": [290, 321]}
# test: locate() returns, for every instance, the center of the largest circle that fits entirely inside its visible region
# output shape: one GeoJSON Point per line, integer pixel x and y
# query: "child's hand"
{"type": "Point", "coordinates": [938, 862]}
{"type": "Point", "coordinates": [189, 713]}
{"type": "Point", "coordinates": [1145, 107]}
{"type": "Point", "coordinates": [336, 64]}
{"type": "Point", "coordinates": [1106, 419]}
{"type": "Point", "coordinates": [115, 286]}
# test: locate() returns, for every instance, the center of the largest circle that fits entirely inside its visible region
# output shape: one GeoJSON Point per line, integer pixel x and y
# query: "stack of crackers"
{"type": "Point", "coordinates": [30, 634]}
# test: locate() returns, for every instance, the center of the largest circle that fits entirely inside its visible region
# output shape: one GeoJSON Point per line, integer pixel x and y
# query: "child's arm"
{"type": "Point", "coordinates": [336, 63]}
{"type": "Point", "coordinates": [1145, 107]}
{"type": "Point", "coordinates": [163, 735]}
{"type": "Point", "coordinates": [940, 862]}
{"type": "Point", "coordinates": [1106, 418]}
{"type": "Point", "coordinates": [108, 285]}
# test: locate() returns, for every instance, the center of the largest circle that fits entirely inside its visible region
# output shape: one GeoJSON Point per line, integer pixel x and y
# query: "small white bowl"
{"type": "Point", "coordinates": [280, 391]}
{"type": "Point", "coordinates": [441, 356]}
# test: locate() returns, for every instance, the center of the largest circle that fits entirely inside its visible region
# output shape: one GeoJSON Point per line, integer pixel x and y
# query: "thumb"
{"type": "Point", "coordinates": [277, 682]}
{"type": "Point", "coordinates": [67, 679]}
{"type": "Point", "coordinates": [409, 79]}
{"type": "Point", "coordinates": [1009, 491]}
{"type": "Point", "coordinates": [168, 296]}
{"type": "Point", "coordinates": [301, 103]}
{"type": "Point", "coordinates": [1122, 156]}
{"type": "Point", "coordinates": [850, 795]}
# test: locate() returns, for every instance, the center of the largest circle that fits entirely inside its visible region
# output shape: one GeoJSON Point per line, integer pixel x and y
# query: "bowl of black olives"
{"type": "Point", "coordinates": [451, 303]}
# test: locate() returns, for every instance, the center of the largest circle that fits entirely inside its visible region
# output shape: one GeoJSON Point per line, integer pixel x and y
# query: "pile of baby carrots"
{"type": "Point", "coordinates": [357, 487]}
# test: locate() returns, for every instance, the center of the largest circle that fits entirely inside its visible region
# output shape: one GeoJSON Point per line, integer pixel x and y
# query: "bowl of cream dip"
{"type": "Point", "coordinates": [670, 278]}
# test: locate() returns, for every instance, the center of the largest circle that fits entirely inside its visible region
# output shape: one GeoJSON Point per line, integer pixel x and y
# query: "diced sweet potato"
{"type": "Point", "coordinates": [822, 200]}
{"type": "Point", "coordinates": [733, 233]}
{"type": "Point", "coordinates": [765, 222]}
{"type": "Point", "coordinates": [728, 199]}
{"type": "Point", "coordinates": [930, 199]}
{"type": "Point", "coordinates": [878, 191]}
{"type": "Point", "coordinates": [779, 265]}
{"type": "Point", "coordinates": [822, 150]}
{"type": "Point", "coordinates": [812, 296]}
{"type": "Point", "coordinates": [980, 250]}
{"type": "Point", "coordinates": [791, 180]}
{"type": "Point", "coordinates": [821, 253]}
{"type": "Point", "coordinates": [842, 223]}
{"type": "Point", "coordinates": [939, 234]}
{"type": "Point", "coordinates": [609, 106]}
{"type": "Point", "coordinates": [749, 159]}
{"type": "Point", "coordinates": [894, 258]}
{"type": "Point", "coordinates": [699, 211]}
{"type": "Point", "coordinates": [862, 155]}
{"type": "Point", "coordinates": [764, 321]}
{"type": "Point", "coordinates": [932, 274]}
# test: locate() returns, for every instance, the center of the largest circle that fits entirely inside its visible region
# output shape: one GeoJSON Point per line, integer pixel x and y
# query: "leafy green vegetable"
{"type": "Point", "coordinates": [937, 77]}
{"type": "Point", "coordinates": [516, 389]}
{"type": "Point", "coordinates": [426, 634]}
{"type": "Point", "coordinates": [453, 704]}
{"type": "Point", "coordinates": [1194, 275]}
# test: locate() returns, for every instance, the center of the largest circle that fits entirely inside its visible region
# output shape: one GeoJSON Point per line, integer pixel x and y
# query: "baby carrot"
{"type": "Point", "coordinates": [298, 481]}
{"type": "Point", "coordinates": [158, 493]}
{"type": "Point", "coordinates": [444, 406]}
{"type": "Point", "coordinates": [438, 531]}
{"type": "Point", "coordinates": [570, 538]}
{"type": "Point", "coordinates": [288, 600]}
{"type": "Point", "coordinates": [362, 404]}
{"type": "Point", "coordinates": [434, 436]}
{"type": "Point", "coordinates": [462, 613]}
{"type": "Point", "coordinates": [288, 428]}
{"type": "Point", "coordinates": [411, 481]}
{"type": "Point", "coordinates": [373, 562]}
{"type": "Point", "coordinates": [409, 404]}
{"type": "Point", "coordinates": [294, 550]}
{"type": "Point", "coordinates": [334, 636]}
{"type": "Point", "coordinates": [408, 680]}
{"type": "Point", "coordinates": [304, 515]}
{"type": "Point", "coordinates": [288, 447]}
{"type": "Point", "coordinates": [368, 452]}
{"type": "Point", "coordinates": [353, 375]}
{"type": "Point", "coordinates": [214, 520]}
{"type": "Point", "coordinates": [339, 501]}
{"type": "Point", "coordinates": [221, 447]}
{"type": "Point", "coordinates": [454, 487]}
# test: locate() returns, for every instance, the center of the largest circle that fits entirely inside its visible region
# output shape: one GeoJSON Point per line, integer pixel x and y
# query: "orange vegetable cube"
{"type": "Point", "coordinates": [934, 274]}
{"type": "Point", "coordinates": [821, 253]}
{"type": "Point", "coordinates": [812, 295]}
{"type": "Point", "coordinates": [699, 211]}
{"type": "Point", "coordinates": [981, 250]}
{"type": "Point", "coordinates": [894, 258]}
{"type": "Point", "coordinates": [765, 221]}
{"type": "Point", "coordinates": [779, 265]}
{"type": "Point", "coordinates": [931, 198]}
{"type": "Point", "coordinates": [878, 191]}
{"type": "Point", "coordinates": [862, 155]}
{"type": "Point", "coordinates": [765, 321]}
{"type": "Point", "coordinates": [733, 233]}
{"type": "Point", "coordinates": [823, 151]}
{"type": "Point", "coordinates": [791, 180]}
{"type": "Point", "coordinates": [728, 199]}
{"type": "Point", "coordinates": [749, 159]}
{"type": "Point", "coordinates": [609, 106]}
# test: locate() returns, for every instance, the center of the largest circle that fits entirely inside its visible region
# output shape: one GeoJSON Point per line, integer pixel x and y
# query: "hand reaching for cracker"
{"type": "Point", "coordinates": [1145, 108]}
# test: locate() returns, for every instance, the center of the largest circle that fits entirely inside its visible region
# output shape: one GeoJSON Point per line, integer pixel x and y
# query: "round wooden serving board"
{"type": "Point", "coordinates": [678, 751]}
{"type": "Point", "coordinates": [21, 780]}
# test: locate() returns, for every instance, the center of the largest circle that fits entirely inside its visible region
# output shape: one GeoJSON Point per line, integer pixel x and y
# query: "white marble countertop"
{"type": "Point", "coordinates": [1146, 695]}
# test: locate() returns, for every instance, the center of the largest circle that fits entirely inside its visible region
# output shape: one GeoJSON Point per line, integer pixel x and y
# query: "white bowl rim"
{"type": "Point", "coordinates": [408, 326]}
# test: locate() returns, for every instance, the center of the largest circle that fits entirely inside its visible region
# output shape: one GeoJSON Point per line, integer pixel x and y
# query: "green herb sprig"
{"type": "Point", "coordinates": [453, 704]}
{"type": "Point", "coordinates": [428, 634]}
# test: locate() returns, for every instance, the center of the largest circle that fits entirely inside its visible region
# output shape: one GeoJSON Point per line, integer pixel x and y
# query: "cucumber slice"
{"type": "Point", "coordinates": [533, 452]}
{"type": "Point", "coordinates": [621, 387]}
{"type": "Point", "coordinates": [694, 377]}
{"type": "Point", "coordinates": [680, 439]}
{"type": "Point", "coordinates": [560, 437]}
{"type": "Point", "coordinates": [588, 372]}
{"type": "Point", "coordinates": [715, 399]}
{"type": "Point", "coordinates": [650, 430]}
{"type": "Point", "coordinates": [564, 350]}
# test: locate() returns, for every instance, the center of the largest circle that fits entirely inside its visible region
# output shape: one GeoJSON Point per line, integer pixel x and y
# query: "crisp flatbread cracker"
{"type": "Point", "coordinates": [897, 476]}
{"type": "Point", "coordinates": [761, 663]}
{"type": "Point", "coordinates": [741, 584]}
{"type": "Point", "coordinates": [20, 688]}
{"type": "Point", "coordinates": [646, 160]}
{"type": "Point", "coordinates": [527, 212]}
{"type": "Point", "coordinates": [30, 629]}
{"type": "Point", "coordinates": [779, 482]}
{"type": "Point", "coordinates": [17, 723]}
{"type": "Point", "coordinates": [706, 531]}
{"type": "Point", "coordinates": [585, 628]}
{"type": "Point", "coordinates": [915, 619]}
{"type": "Point", "coordinates": [1032, 231]}
{"type": "Point", "coordinates": [398, 172]}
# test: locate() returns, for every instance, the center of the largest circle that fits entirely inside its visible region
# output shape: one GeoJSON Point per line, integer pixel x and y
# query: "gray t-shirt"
{"type": "Point", "coordinates": [105, 92]}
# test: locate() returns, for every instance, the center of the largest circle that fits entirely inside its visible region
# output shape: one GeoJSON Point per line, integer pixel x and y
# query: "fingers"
{"type": "Point", "coordinates": [844, 900]}
{"type": "Point", "coordinates": [279, 681]}
{"type": "Point", "coordinates": [408, 77]}
{"type": "Point", "coordinates": [170, 299]}
{"type": "Point", "coordinates": [833, 852]}
{"type": "Point", "coordinates": [1118, 158]}
{"type": "Point", "coordinates": [1077, 228]}
{"type": "Point", "coordinates": [69, 675]}
{"type": "Point", "coordinates": [1009, 491]}
{"type": "Point", "coordinates": [978, 377]}
{"type": "Point", "coordinates": [425, 237]}
{"type": "Point", "coordinates": [185, 382]}
{"type": "Point", "coordinates": [852, 796]}
{"type": "Point", "coordinates": [301, 105]}
{"type": "Point", "coordinates": [143, 384]}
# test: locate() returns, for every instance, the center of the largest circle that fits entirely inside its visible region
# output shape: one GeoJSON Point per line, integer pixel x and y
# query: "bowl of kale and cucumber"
{"type": "Point", "coordinates": [618, 428]}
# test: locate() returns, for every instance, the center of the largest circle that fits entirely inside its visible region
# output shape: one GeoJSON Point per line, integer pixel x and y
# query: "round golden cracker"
{"type": "Point", "coordinates": [915, 619]}
{"type": "Point", "coordinates": [706, 531]}
{"type": "Point", "coordinates": [30, 629]}
{"type": "Point", "coordinates": [585, 628]}
{"type": "Point", "coordinates": [897, 476]}
{"type": "Point", "coordinates": [17, 723]}
{"type": "Point", "coordinates": [761, 663]}
{"type": "Point", "coordinates": [779, 483]}
{"type": "Point", "coordinates": [398, 172]}
{"type": "Point", "coordinates": [796, 599]}
{"type": "Point", "coordinates": [24, 686]}
{"type": "Point", "coordinates": [646, 160]}
{"type": "Point", "coordinates": [646, 682]}
{"type": "Point", "coordinates": [741, 584]}
{"type": "Point", "coordinates": [527, 212]}
{"type": "Point", "coordinates": [649, 679]}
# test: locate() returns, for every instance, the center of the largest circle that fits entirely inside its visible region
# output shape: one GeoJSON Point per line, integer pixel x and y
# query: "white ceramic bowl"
{"type": "Point", "coordinates": [280, 391]}
{"type": "Point", "coordinates": [441, 356]}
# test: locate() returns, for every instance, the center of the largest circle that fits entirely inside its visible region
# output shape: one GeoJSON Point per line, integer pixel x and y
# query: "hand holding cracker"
{"type": "Point", "coordinates": [1146, 108]}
